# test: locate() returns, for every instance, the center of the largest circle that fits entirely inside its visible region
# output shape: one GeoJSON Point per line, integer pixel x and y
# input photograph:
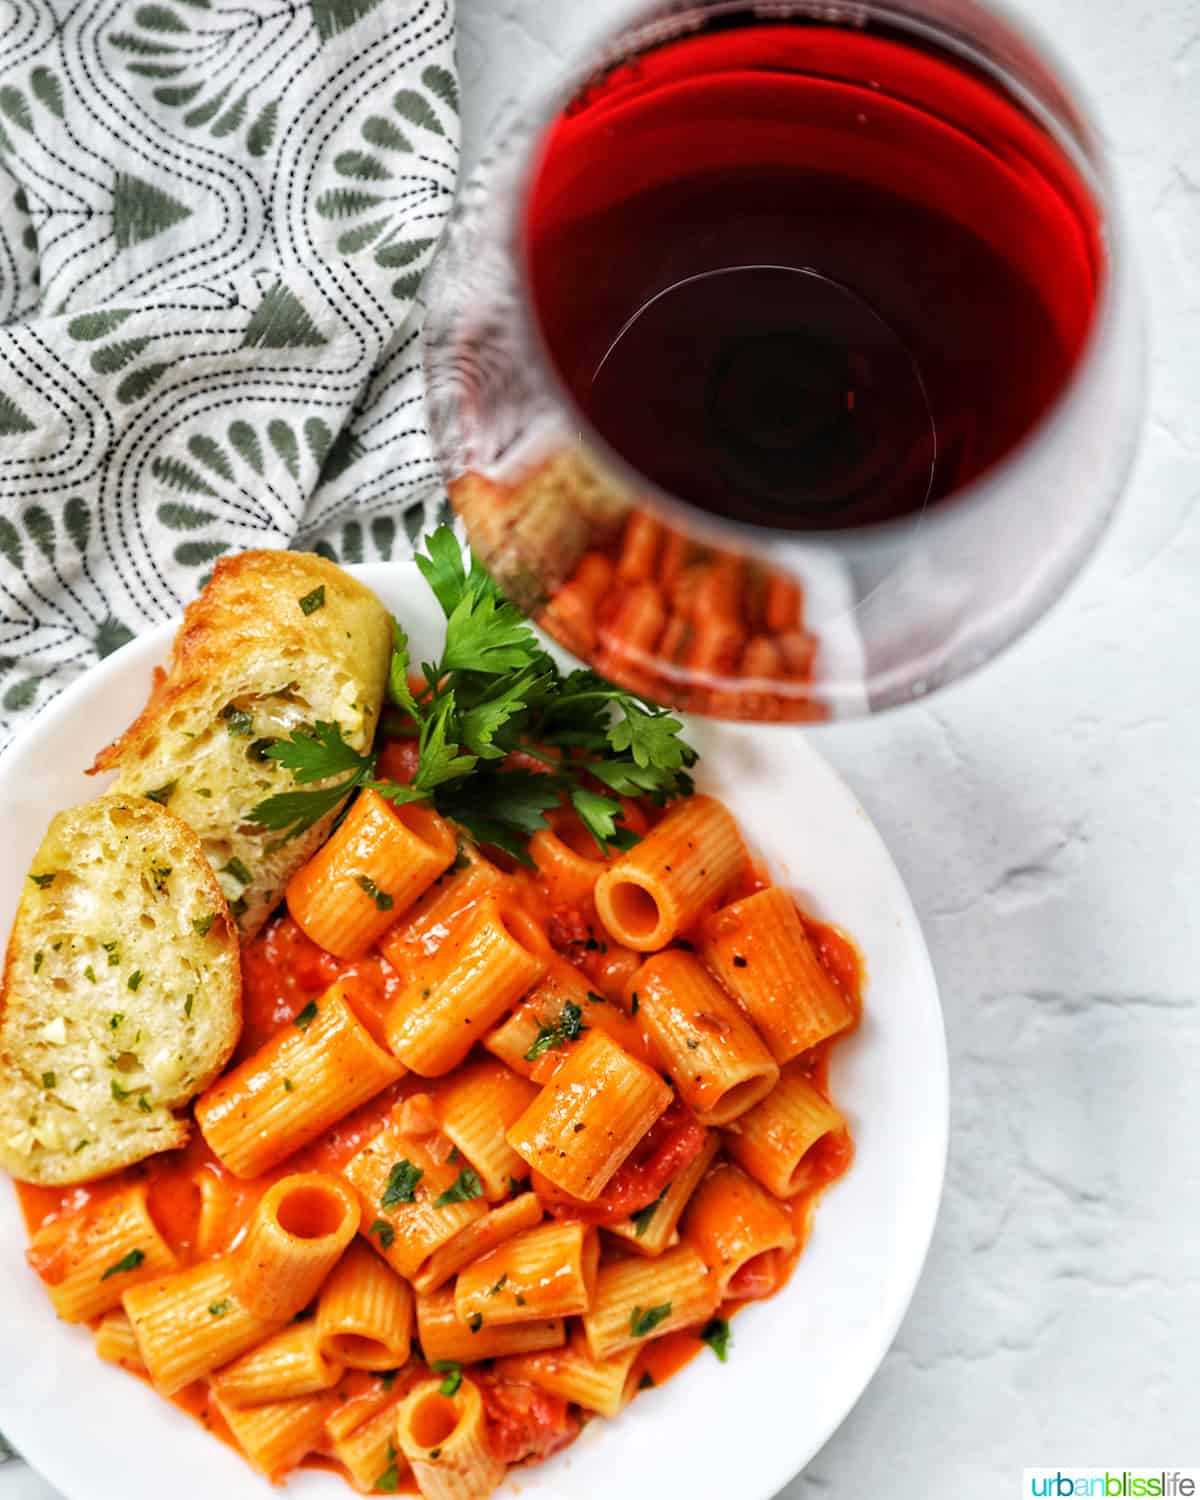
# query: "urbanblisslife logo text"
{"type": "Point", "coordinates": [1123, 1484]}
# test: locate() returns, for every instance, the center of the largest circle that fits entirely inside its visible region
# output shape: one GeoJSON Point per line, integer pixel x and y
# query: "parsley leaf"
{"type": "Point", "coordinates": [565, 1029]}
{"type": "Point", "coordinates": [384, 1232]}
{"type": "Point", "coordinates": [382, 900]}
{"type": "Point", "coordinates": [452, 1370]}
{"type": "Point", "coordinates": [304, 1018]}
{"type": "Point", "coordinates": [401, 1184]}
{"type": "Point", "coordinates": [645, 1320]}
{"type": "Point", "coordinates": [130, 1261]}
{"type": "Point", "coordinates": [464, 1187]}
{"type": "Point", "coordinates": [641, 1219]}
{"type": "Point", "coordinates": [398, 689]}
{"type": "Point", "coordinates": [442, 568]}
{"type": "Point", "coordinates": [310, 603]}
{"type": "Point", "coordinates": [715, 1334]}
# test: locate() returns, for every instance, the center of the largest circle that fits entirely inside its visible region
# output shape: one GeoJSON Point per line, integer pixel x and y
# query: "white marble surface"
{"type": "Point", "coordinates": [1046, 815]}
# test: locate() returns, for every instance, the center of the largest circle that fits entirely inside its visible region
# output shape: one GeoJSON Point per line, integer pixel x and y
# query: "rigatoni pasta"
{"type": "Point", "coordinates": [547, 1272]}
{"type": "Point", "coordinates": [278, 1434]}
{"type": "Point", "coordinates": [741, 1231]}
{"type": "Point", "coordinates": [364, 1315]}
{"type": "Point", "coordinates": [369, 1454]}
{"type": "Point", "coordinates": [480, 1236]}
{"type": "Point", "coordinates": [652, 1229]}
{"type": "Point", "coordinates": [446, 1338]}
{"type": "Point", "coordinates": [716, 1059]}
{"type": "Point", "coordinates": [474, 1110]}
{"type": "Point", "coordinates": [289, 1364]}
{"type": "Point", "coordinates": [590, 1116]}
{"type": "Point", "coordinates": [496, 957]}
{"type": "Point", "coordinates": [444, 1439]}
{"type": "Point", "coordinates": [300, 1228]}
{"type": "Point", "coordinates": [189, 1324]}
{"type": "Point", "coordinates": [599, 1385]}
{"type": "Point", "coordinates": [369, 873]}
{"type": "Point", "coordinates": [296, 1086]}
{"type": "Point", "coordinates": [759, 950]}
{"type": "Point", "coordinates": [649, 896]}
{"type": "Point", "coordinates": [773, 1139]}
{"type": "Point", "coordinates": [637, 1300]}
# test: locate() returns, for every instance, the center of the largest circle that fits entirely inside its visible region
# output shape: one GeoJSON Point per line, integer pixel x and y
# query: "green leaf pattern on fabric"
{"type": "Point", "coordinates": [214, 225]}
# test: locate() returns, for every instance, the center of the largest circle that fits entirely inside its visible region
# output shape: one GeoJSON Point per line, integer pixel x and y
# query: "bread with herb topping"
{"type": "Point", "coordinates": [277, 641]}
{"type": "Point", "coordinates": [121, 996]}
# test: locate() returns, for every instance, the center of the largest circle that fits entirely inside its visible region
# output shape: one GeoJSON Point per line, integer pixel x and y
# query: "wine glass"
{"type": "Point", "coordinates": [787, 363]}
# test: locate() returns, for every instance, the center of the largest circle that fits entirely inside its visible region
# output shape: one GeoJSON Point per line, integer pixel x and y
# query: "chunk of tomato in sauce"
{"type": "Point", "coordinates": [523, 1422]}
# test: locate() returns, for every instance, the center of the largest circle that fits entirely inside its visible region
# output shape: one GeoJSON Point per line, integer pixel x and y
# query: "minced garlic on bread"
{"type": "Point", "coordinates": [276, 642]}
{"type": "Point", "coordinates": [121, 996]}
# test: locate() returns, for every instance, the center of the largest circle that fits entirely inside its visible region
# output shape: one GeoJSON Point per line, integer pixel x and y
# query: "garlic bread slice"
{"type": "Point", "coordinates": [121, 996]}
{"type": "Point", "coordinates": [277, 641]}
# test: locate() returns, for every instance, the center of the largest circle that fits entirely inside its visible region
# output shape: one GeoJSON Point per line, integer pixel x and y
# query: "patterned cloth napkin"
{"type": "Point", "coordinates": [214, 220]}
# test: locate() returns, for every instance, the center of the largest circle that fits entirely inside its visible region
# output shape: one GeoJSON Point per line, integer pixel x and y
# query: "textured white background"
{"type": "Point", "coordinates": [1046, 815]}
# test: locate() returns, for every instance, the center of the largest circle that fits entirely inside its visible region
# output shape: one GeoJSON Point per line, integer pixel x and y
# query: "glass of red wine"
{"type": "Point", "coordinates": [787, 364]}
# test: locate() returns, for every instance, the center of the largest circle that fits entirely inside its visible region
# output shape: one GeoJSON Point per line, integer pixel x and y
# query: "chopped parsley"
{"type": "Point", "coordinates": [49, 1080]}
{"type": "Point", "coordinates": [219, 1309]}
{"type": "Point", "coordinates": [739, 962]}
{"type": "Point", "coordinates": [641, 1219]}
{"type": "Point", "coordinates": [310, 603]}
{"type": "Point", "coordinates": [161, 794]}
{"type": "Point", "coordinates": [90, 974]}
{"type": "Point", "coordinates": [389, 1480]}
{"type": "Point", "coordinates": [596, 999]}
{"type": "Point", "coordinates": [159, 875]}
{"type": "Point", "coordinates": [288, 1086]}
{"type": "Point", "coordinates": [115, 1019]}
{"type": "Point", "coordinates": [382, 899]}
{"type": "Point", "coordinates": [120, 1094]}
{"type": "Point", "coordinates": [644, 1320]}
{"type": "Point", "coordinates": [475, 1322]}
{"type": "Point", "coordinates": [384, 1232]}
{"type": "Point", "coordinates": [42, 881]}
{"type": "Point", "coordinates": [500, 1285]}
{"type": "Point", "coordinates": [401, 1184]}
{"type": "Point", "coordinates": [306, 1017]}
{"type": "Point", "coordinates": [238, 870]}
{"type": "Point", "coordinates": [130, 1261]}
{"type": "Point", "coordinates": [38, 958]}
{"type": "Point", "coordinates": [452, 1370]}
{"type": "Point", "coordinates": [636, 1004]}
{"type": "Point", "coordinates": [202, 926]}
{"type": "Point", "coordinates": [134, 979]}
{"type": "Point", "coordinates": [237, 720]}
{"type": "Point", "coordinates": [187, 1005]}
{"type": "Point", "coordinates": [113, 950]}
{"type": "Point", "coordinates": [464, 1187]}
{"type": "Point", "coordinates": [715, 1334]}
{"type": "Point", "coordinates": [565, 1029]}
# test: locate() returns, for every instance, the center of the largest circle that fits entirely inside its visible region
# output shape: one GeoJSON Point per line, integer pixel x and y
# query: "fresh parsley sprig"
{"type": "Point", "coordinates": [493, 691]}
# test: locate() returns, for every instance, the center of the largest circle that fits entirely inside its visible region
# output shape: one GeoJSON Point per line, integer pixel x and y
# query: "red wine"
{"type": "Point", "coordinates": [808, 277]}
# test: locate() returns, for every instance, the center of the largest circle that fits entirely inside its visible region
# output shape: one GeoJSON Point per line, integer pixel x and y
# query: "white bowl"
{"type": "Point", "coordinates": [797, 1363]}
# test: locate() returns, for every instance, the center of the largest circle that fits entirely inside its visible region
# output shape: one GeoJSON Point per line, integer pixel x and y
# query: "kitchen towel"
{"type": "Point", "coordinates": [214, 221]}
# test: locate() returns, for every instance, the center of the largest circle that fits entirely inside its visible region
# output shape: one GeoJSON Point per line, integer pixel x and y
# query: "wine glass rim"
{"type": "Point", "coordinates": [1080, 139]}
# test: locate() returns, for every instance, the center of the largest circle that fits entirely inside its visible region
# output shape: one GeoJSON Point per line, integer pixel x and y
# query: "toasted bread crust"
{"type": "Point", "coordinates": [99, 1040]}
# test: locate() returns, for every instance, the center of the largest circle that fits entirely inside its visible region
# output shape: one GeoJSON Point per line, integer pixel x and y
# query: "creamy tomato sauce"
{"type": "Point", "coordinates": [283, 971]}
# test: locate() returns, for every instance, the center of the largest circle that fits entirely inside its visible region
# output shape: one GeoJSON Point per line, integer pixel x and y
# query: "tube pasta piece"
{"type": "Point", "coordinates": [444, 1439]}
{"type": "Point", "coordinates": [498, 955]}
{"type": "Point", "coordinates": [476, 1107]}
{"type": "Point", "coordinates": [297, 1234]}
{"type": "Point", "coordinates": [638, 1300]}
{"type": "Point", "coordinates": [717, 1060]}
{"type": "Point", "coordinates": [547, 1272]}
{"type": "Point", "coordinates": [653, 1229]}
{"type": "Point", "coordinates": [477, 1239]}
{"type": "Point", "coordinates": [529, 1040]}
{"type": "Point", "coordinates": [773, 1139]}
{"type": "Point", "coordinates": [369, 1452]}
{"type": "Point", "coordinates": [599, 1385]}
{"type": "Point", "coordinates": [626, 644]}
{"type": "Point", "coordinates": [398, 1183]}
{"type": "Point", "coordinates": [276, 1435]}
{"type": "Point", "coordinates": [759, 950]}
{"type": "Point", "coordinates": [90, 1259]}
{"type": "Point", "coordinates": [421, 932]}
{"type": "Point", "coordinates": [365, 1313]}
{"type": "Point", "coordinates": [116, 1342]}
{"type": "Point", "coordinates": [444, 1336]}
{"type": "Point", "coordinates": [639, 548]}
{"type": "Point", "coordinates": [363, 1396]}
{"type": "Point", "coordinates": [368, 873]}
{"type": "Point", "coordinates": [738, 1228]}
{"type": "Point", "coordinates": [189, 1324]}
{"type": "Point", "coordinates": [289, 1364]}
{"type": "Point", "coordinates": [651, 894]}
{"type": "Point", "coordinates": [299, 1083]}
{"type": "Point", "coordinates": [590, 1116]}
{"type": "Point", "coordinates": [569, 876]}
